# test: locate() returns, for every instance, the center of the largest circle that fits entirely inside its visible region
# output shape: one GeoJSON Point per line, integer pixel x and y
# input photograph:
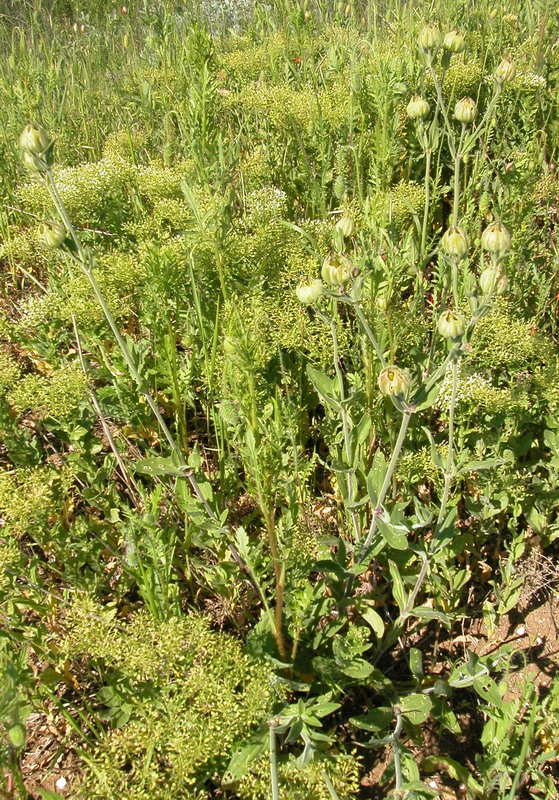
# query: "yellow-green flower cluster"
{"type": "Point", "coordinates": [10, 370]}
{"type": "Point", "coordinates": [302, 784]}
{"type": "Point", "coordinates": [31, 498]}
{"type": "Point", "coordinates": [56, 395]}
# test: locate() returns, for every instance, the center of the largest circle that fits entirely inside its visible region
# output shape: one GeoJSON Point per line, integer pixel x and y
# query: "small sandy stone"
{"type": "Point", "coordinates": [61, 783]}
{"type": "Point", "coordinates": [521, 631]}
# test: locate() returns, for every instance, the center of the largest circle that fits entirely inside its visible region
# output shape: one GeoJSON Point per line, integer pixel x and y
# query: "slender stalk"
{"type": "Point", "coordinates": [442, 106]}
{"type": "Point", "coordinates": [344, 298]}
{"type": "Point", "coordinates": [274, 782]}
{"type": "Point", "coordinates": [345, 423]}
{"type": "Point", "coordinates": [395, 739]}
{"type": "Point", "coordinates": [427, 185]}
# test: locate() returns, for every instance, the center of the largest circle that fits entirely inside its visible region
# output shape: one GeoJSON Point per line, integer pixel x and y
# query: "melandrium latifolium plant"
{"type": "Point", "coordinates": [279, 399]}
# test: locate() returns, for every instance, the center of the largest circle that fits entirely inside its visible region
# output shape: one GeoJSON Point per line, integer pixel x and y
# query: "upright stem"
{"type": "Point", "coordinates": [274, 782]}
{"type": "Point", "coordinates": [427, 184]}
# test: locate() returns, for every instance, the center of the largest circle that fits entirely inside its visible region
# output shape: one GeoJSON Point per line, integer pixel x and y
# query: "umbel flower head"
{"type": "Point", "coordinates": [465, 110]}
{"type": "Point", "coordinates": [495, 238]}
{"type": "Point", "coordinates": [455, 242]}
{"type": "Point", "coordinates": [451, 324]}
{"type": "Point", "coordinates": [308, 293]}
{"type": "Point", "coordinates": [394, 381]}
{"type": "Point", "coordinates": [417, 108]}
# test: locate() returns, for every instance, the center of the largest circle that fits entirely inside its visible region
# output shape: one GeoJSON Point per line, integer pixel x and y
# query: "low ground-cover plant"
{"type": "Point", "coordinates": [277, 370]}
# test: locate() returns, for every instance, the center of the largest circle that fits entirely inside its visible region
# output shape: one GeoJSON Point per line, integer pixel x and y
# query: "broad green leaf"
{"type": "Point", "coordinates": [416, 707]}
{"type": "Point", "coordinates": [398, 590]}
{"type": "Point", "coordinates": [375, 720]}
{"type": "Point", "coordinates": [155, 465]}
{"type": "Point", "coordinates": [374, 619]}
{"type": "Point", "coordinates": [395, 535]}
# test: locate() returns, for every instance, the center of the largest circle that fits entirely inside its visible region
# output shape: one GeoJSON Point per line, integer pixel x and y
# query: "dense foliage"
{"type": "Point", "coordinates": [279, 396]}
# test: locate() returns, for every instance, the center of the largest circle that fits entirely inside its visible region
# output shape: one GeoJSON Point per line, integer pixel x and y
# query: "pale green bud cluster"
{"type": "Point", "coordinates": [336, 270]}
{"type": "Point", "coordinates": [495, 238]}
{"type": "Point", "coordinates": [417, 108]}
{"type": "Point", "coordinates": [394, 381]}
{"type": "Point", "coordinates": [454, 42]}
{"type": "Point", "coordinates": [429, 38]}
{"type": "Point", "coordinates": [451, 324]}
{"type": "Point", "coordinates": [345, 225]}
{"type": "Point", "coordinates": [455, 242]}
{"type": "Point", "coordinates": [52, 234]}
{"type": "Point", "coordinates": [308, 293]}
{"type": "Point", "coordinates": [506, 70]}
{"type": "Point", "coordinates": [465, 110]}
{"type": "Point", "coordinates": [36, 146]}
{"type": "Point", "coordinates": [493, 281]}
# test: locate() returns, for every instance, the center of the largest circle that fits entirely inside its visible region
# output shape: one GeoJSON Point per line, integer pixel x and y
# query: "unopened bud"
{"type": "Point", "coordinates": [417, 108]}
{"type": "Point", "coordinates": [454, 42]}
{"type": "Point", "coordinates": [52, 235]}
{"type": "Point", "coordinates": [506, 70]}
{"type": "Point", "coordinates": [455, 242]}
{"type": "Point", "coordinates": [495, 238]}
{"type": "Point", "coordinates": [493, 281]}
{"type": "Point", "coordinates": [345, 225]}
{"type": "Point", "coordinates": [451, 324]}
{"type": "Point", "coordinates": [336, 270]}
{"type": "Point", "coordinates": [308, 293]}
{"type": "Point", "coordinates": [465, 110]}
{"type": "Point", "coordinates": [429, 38]}
{"type": "Point", "coordinates": [34, 139]}
{"type": "Point", "coordinates": [394, 381]}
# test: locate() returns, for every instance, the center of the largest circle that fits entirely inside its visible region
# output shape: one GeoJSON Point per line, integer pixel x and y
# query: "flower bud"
{"type": "Point", "coordinates": [495, 238]}
{"type": "Point", "coordinates": [34, 139]}
{"type": "Point", "coordinates": [345, 225]}
{"type": "Point", "coordinates": [451, 324]}
{"type": "Point", "coordinates": [429, 38]}
{"type": "Point", "coordinates": [394, 381]}
{"type": "Point", "coordinates": [465, 110]}
{"type": "Point", "coordinates": [308, 293]}
{"type": "Point", "coordinates": [455, 242]}
{"type": "Point", "coordinates": [506, 70]}
{"type": "Point", "coordinates": [336, 270]}
{"type": "Point", "coordinates": [454, 42]}
{"type": "Point", "coordinates": [493, 281]}
{"type": "Point", "coordinates": [417, 108]}
{"type": "Point", "coordinates": [52, 235]}
{"type": "Point", "coordinates": [381, 302]}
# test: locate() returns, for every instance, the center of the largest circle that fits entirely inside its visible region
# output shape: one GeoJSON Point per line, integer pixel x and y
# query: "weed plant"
{"type": "Point", "coordinates": [278, 395]}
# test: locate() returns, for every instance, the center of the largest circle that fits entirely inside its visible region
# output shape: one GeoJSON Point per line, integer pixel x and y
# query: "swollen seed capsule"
{"type": "Point", "coordinates": [308, 293]}
{"type": "Point", "coordinates": [451, 324]}
{"type": "Point", "coordinates": [417, 108]}
{"type": "Point", "coordinates": [465, 110]}
{"type": "Point", "coordinates": [454, 42]}
{"type": "Point", "coordinates": [495, 238]}
{"type": "Point", "coordinates": [393, 381]}
{"type": "Point", "coordinates": [506, 70]}
{"type": "Point", "coordinates": [429, 38]}
{"type": "Point", "coordinates": [34, 139]}
{"type": "Point", "coordinates": [17, 735]}
{"type": "Point", "coordinates": [455, 242]}
{"type": "Point", "coordinates": [345, 225]}
{"type": "Point", "coordinates": [336, 270]}
{"type": "Point", "coordinates": [52, 235]}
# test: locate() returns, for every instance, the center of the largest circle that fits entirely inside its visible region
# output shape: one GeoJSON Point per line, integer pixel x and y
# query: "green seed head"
{"type": "Point", "coordinates": [506, 70]}
{"type": "Point", "coordinates": [429, 38]}
{"type": "Point", "coordinates": [394, 381]}
{"type": "Point", "coordinates": [336, 270]}
{"type": "Point", "coordinates": [417, 108]}
{"type": "Point", "coordinates": [451, 324]}
{"type": "Point", "coordinates": [454, 42]}
{"type": "Point", "coordinates": [465, 110]}
{"type": "Point", "coordinates": [308, 293]}
{"type": "Point", "coordinates": [495, 238]}
{"type": "Point", "coordinates": [17, 735]}
{"type": "Point", "coordinates": [455, 242]}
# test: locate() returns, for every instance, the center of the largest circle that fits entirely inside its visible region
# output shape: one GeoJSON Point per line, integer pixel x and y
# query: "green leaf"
{"type": "Point", "coordinates": [324, 385]}
{"type": "Point", "coordinates": [416, 707]}
{"type": "Point", "coordinates": [374, 619]}
{"type": "Point", "coordinates": [395, 535]}
{"type": "Point", "coordinates": [424, 612]}
{"type": "Point", "coordinates": [416, 662]}
{"type": "Point", "coordinates": [398, 590]}
{"type": "Point", "coordinates": [378, 719]}
{"type": "Point", "coordinates": [156, 465]}
{"type": "Point", "coordinates": [243, 758]}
